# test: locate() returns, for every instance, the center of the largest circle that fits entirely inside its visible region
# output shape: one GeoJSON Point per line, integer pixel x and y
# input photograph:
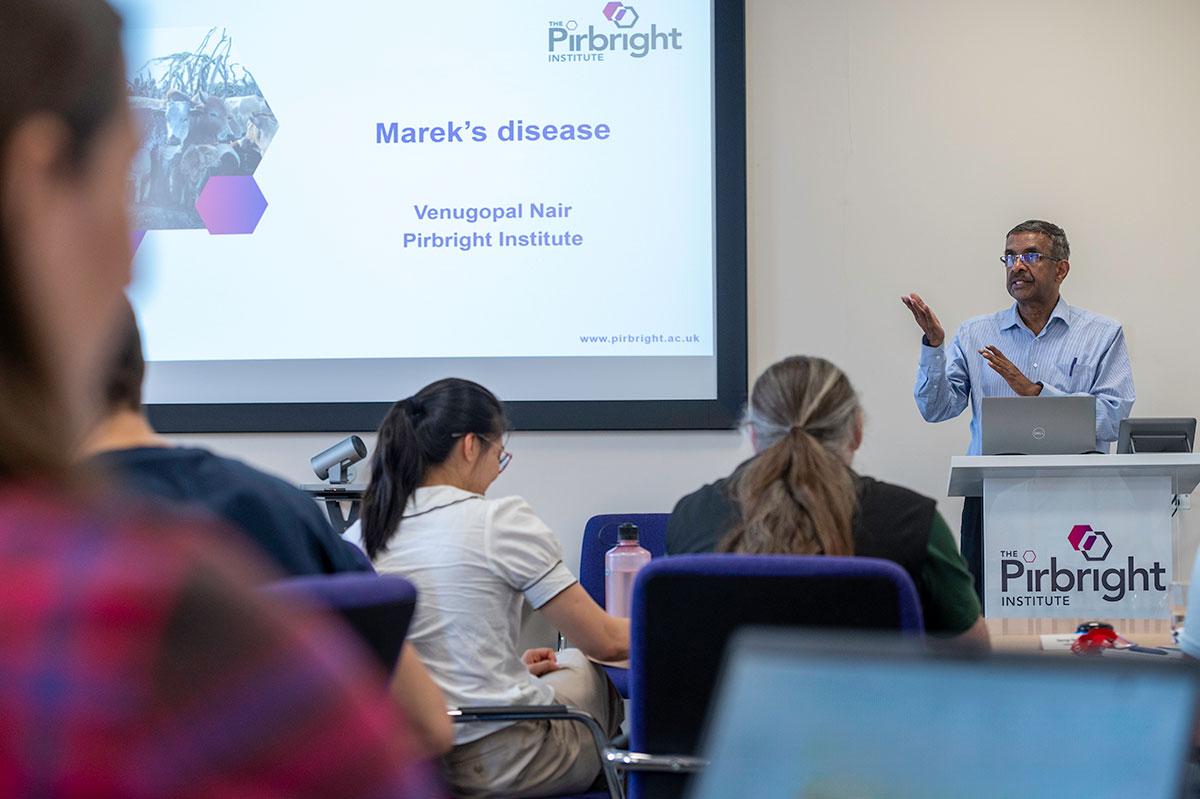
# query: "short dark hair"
{"type": "Point", "coordinates": [1060, 248]}
{"type": "Point", "coordinates": [127, 369]}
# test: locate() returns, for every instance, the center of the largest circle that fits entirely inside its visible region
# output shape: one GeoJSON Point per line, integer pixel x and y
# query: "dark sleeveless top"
{"type": "Point", "coordinates": [892, 523]}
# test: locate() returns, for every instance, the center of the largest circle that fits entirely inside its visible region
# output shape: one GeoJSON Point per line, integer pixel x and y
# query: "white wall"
{"type": "Point", "coordinates": [892, 144]}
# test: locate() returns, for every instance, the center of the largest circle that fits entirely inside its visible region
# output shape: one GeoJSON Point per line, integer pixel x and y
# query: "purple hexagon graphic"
{"type": "Point", "coordinates": [231, 204]}
{"type": "Point", "coordinates": [136, 238]}
{"type": "Point", "coordinates": [1075, 537]}
{"type": "Point", "coordinates": [621, 15]}
{"type": "Point", "coordinates": [1092, 544]}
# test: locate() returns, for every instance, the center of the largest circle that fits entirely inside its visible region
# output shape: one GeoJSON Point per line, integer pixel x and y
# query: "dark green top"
{"type": "Point", "coordinates": [892, 523]}
{"type": "Point", "coordinates": [952, 606]}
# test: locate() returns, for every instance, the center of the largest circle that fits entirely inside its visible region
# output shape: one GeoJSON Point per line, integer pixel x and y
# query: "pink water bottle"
{"type": "Point", "coordinates": [621, 565]}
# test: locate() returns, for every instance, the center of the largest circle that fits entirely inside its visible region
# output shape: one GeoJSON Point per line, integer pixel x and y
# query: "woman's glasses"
{"type": "Point", "coordinates": [505, 456]}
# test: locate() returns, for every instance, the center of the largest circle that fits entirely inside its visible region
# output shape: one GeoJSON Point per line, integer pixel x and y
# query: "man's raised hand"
{"type": "Point", "coordinates": [1011, 374]}
{"type": "Point", "coordinates": [926, 318]}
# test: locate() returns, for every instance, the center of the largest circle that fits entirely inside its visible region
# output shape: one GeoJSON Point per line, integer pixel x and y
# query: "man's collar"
{"type": "Point", "coordinates": [1011, 318]}
{"type": "Point", "coordinates": [1062, 311]}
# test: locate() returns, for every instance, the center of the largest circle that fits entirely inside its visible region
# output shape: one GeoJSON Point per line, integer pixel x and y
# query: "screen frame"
{"type": "Point", "coordinates": [722, 413]}
{"type": "Point", "coordinates": [1133, 428]}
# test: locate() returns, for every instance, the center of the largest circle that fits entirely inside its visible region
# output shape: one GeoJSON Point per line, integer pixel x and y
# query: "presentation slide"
{"type": "Point", "coordinates": [338, 203]}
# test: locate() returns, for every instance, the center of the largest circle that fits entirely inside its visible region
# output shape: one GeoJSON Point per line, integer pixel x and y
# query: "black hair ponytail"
{"type": "Point", "coordinates": [420, 432]}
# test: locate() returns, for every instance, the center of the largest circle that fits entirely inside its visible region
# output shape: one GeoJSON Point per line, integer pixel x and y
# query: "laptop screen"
{"type": "Point", "coordinates": [1039, 425]}
{"type": "Point", "coordinates": [796, 722]}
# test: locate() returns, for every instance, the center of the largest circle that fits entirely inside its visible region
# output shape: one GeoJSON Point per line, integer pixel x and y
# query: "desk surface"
{"type": "Point", "coordinates": [967, 472]}
{"type": "Point", "coordinates": [1025, 635]}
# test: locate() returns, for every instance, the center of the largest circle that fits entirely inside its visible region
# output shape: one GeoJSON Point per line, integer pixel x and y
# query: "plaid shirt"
{"type": "Point", "coordinates": [134, 662]}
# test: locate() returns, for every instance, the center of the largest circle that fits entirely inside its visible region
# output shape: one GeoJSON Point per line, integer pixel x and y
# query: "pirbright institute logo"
{"type": "Point", "coordinates": [569, 42]}
{"type": "Point", "coordinates": [1092, 544]}
{"type": "Point", "coordinates": [1024, 584]}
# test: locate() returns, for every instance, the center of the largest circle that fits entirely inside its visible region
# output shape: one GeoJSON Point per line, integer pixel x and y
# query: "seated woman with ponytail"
{"type": "Point", "coordinates": [799, 496]}
{"type": "Point", "coordinates": [474, 561]}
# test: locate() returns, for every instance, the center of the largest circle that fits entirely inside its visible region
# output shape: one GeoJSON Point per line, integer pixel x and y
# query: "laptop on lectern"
{"type": "Point", "coordinates": [1039, 425]}
{"type": "Point", "coordinates": [802, 716]}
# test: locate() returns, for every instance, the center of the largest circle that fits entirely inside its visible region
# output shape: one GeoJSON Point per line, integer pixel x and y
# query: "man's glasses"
{"type": "Point", "coordinates": [505, 456]}
{"type": "Point", "coordinates": [1009, 259]}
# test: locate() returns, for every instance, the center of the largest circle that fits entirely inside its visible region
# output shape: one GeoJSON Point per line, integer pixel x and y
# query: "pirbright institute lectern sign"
{"type": "Point", "coordinates": [1077, 547]}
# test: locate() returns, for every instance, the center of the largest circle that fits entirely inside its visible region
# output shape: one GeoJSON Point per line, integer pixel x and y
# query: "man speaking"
{"type": "Point", "coordinates": [1040, 346]}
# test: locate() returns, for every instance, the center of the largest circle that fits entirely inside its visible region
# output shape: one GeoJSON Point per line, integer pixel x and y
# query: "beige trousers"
{"type": "Point", "coordinates": [541, 758]}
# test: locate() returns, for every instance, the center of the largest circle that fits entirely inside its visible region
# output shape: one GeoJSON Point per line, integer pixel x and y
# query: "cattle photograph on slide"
{"type": "Point", "coordinates": [201, 115]}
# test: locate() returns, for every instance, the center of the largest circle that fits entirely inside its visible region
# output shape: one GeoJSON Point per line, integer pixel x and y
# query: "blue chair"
{"type": "Point", "coordinates": [599, 536]}
{"type": "Point", "coordinates": [686, 608]}
{"type": "Point", "coordinates": [377, 608]}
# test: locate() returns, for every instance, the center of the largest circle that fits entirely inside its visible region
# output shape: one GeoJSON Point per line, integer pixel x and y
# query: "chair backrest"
{"type": "Point", "coordinates": [600, 535]}
{"type": "Point", "coordinates": [378, 608]}
{"type": "Point", "coordinates": [686, 608]}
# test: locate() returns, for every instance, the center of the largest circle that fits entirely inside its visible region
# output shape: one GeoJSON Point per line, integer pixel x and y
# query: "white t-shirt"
{"type": "Point", "coordinates": [472, 559]}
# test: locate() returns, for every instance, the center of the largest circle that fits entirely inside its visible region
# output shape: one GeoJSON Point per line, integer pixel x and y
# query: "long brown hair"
{"type": "Point", "coordinates": [798, 496]}
{"type": "Point", "coordinates": [58, 57]}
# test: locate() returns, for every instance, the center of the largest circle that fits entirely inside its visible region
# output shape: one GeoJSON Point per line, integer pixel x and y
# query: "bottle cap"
{"type": "Point", "coordinates": [627, 532]}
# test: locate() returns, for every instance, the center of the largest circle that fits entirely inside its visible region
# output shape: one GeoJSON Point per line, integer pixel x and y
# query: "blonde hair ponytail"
{"type": "Point", "coordinates": [798, 496]}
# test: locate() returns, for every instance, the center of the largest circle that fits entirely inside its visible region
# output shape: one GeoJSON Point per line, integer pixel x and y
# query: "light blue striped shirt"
{"type": "Point", "coordinates": [1078, 353]}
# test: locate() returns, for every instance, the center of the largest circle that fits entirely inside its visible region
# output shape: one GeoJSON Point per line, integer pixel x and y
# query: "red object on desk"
{"type": "Point", "coordinates": [1095, 641]}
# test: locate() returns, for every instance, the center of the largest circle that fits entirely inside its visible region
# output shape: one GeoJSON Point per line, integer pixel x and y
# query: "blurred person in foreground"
{"type": "Point", "coordinates": [135, 658]}
{"type": "Point", "coordinates": [276, 518]}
